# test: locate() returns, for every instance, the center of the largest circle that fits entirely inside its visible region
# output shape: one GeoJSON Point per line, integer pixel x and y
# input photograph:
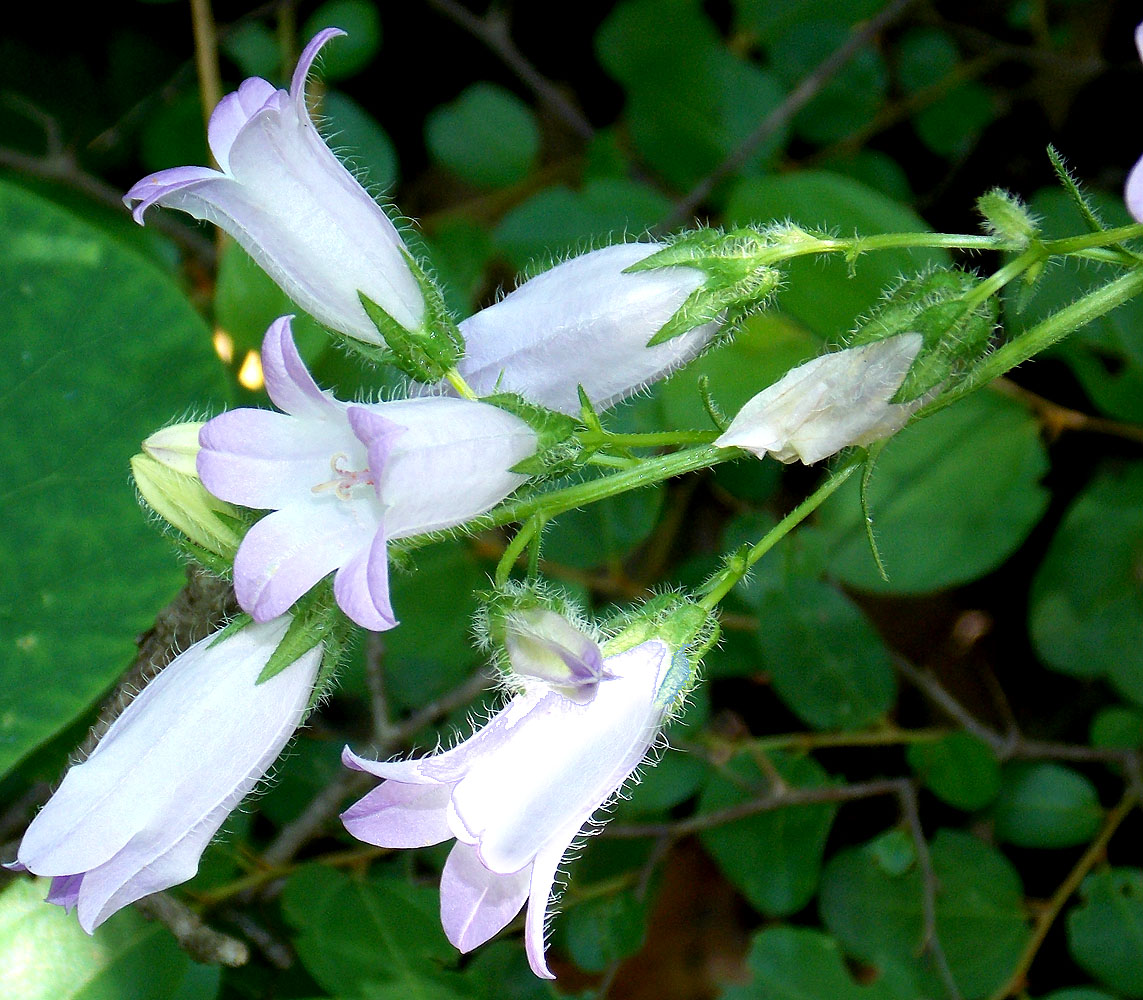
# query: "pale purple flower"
{"type": "Point", "coordinates": [135, 817]}
{"type": "Point", "coordinates": [343, 479]}
{"type": "Point", "coordinates": [544, 645]}
{"type": "Point", "coordinates": [1134, 189]}
{"type": "Point", "coordinates": [291, 204]}
{"type": "Point", "coordinates": [516, 794]}
{"type": "Point", "coordinates": [584, 322]}
{"type": "Point", "coordinates": [829, 403]}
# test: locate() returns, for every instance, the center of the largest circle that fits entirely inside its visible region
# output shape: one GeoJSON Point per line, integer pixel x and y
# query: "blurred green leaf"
{"type": "Point", "coordinates": [1078, 993]}
{"type": "Point", "coordinates": [371, 938]}
{"type": "Point", "coordinates": [557, 220]}
{"type": "Point", "coordinates": [770, 20]}
{"type": "Point", "coordinates": [795, 963]}
{"type": "Point", "coordinates": [951, 125]}
{"type": "Point", "coordinates": [1105, 932]}
{"type": "Point", "coordinates": [1117, 727]}
{"type": "Point", "coordinates": [1086, 604]}
{"type": "Point", "coordinates": [460, 251]}
{"type": "Point", "coordinates": [253, 47]}
{"type": "Point", "coordinates": [352, 52]}
{"type": "Point", "coordinates": [773, 858]}
{"type": "Point", "coordinates": [487, 136]}
{"type": "Point", "coordinates": [174, 136]}
{"type": "Point", "coordinates": [46, 955]}
{"type": "Point", "coordinates": [1045, 804]}
{"type": "Point", "coordinates": [925, 56]}
{"type": "Point", "coordinates": [878, 916]}
{"type": "Point", "coordinates": [102, 349]}
{"type": "Point", "coordinates": [364, 146]}
{"type": "Point", "coordinates": [824, 294]}
{"type": "Point", "coordinates": [600, 931]}
{"type": "Point", "coordinates": [958, 768]}
{"type": "Point", "coordinates": [952, 497]}
{"type": "Point", "coordinates": [825, 660]}
{"type": "Point", "coordinates": [603, 532]}
{"type": "Point", "coordinates": [1107, 354]}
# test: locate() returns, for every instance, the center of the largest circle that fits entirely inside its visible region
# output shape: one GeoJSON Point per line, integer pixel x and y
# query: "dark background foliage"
{"type": "Point", "coordinates": [925, 787]}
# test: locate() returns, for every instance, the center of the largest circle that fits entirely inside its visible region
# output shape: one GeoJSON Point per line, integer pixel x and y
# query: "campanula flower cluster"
{"type": "Point", "coordinates": [319, 488]}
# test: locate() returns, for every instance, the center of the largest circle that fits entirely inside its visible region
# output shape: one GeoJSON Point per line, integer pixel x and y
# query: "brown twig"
{"type": "Point", "coordinates": [1094, 853]}
{"type": "Point", "coordinates": [202, 943]}
{"type": "Point", "coordinates": [206, 59]}
{"type": "Point", "coordinates": [1057, 419]}
{"type": "Point", "coordinates": [492, 29]}
{"type": "Point", "coordinates": [808, 88]}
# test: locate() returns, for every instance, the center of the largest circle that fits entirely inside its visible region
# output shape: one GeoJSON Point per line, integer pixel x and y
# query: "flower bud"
{"type": "Point", "coordinates": [545, 645]}
{"type": "Point", "coordinates": [175, 446]}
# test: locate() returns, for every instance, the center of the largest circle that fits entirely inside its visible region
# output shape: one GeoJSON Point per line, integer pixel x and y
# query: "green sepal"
{"type": "Point", "coordinates": [314, 620]}
{"type": "Point", "coordinates": [556, 448]}
{"type": "Point", "coordinates": [867, 509]}
{"type": "Point", "coordinates": [428, 353]}
{"type": "Point", "coordinates": [1074, 191]}
{"type": "Point", "coordinates": [231, 628]}
{"type": "Point", "coordinates": [738, 265]}
{"type": "Point", "coordinates": [1007, 217]}
{"type": "Point", "coordinates": [936, 304]}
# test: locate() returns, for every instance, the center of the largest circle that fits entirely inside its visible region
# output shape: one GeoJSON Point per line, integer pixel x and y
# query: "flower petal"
{"type": "Point", "coordinates": [169, 184]}
{"type": "Point", "coordinates": [290, 550]}
{"type": "Point", "coordinates": [233, 112]}
{"type": "Point", "coordinates": [543, 881]}
{"type": "Point", "coordinates": [288, 382]}
{"type": "Point", "coordinates": [396, 814]}
{"type": "Point", "coordinates": [477, 904]}
{"type": "Point", "coordinates": [361, 586]}
{"type": "Point", "coordinates": [379, 434]}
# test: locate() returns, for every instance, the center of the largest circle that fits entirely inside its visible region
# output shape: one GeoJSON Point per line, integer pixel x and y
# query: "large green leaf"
{"type": "Point", "coordinates": [46, 955]}
{"type": "Point", "coordinates": [773, 858]}
{"type": "Point", "coordinates": [379, 937]}
{"type": "Point", "coordinates": [1105, 933]}
{"type": "Point", "coordinates": [952, 497]}
{"type": "Point", "coordinates": [1044, 804]}
{"type": "Point", "coordinates": [1086, 607]}
{"type": "Point", "coordinates": [101, 348]}
{"type": "Point", "coordinates": [875, 910]}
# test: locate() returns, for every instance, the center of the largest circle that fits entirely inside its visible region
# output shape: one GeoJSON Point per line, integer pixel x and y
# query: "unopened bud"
{"type": "Point", "coordinates": [545, 645]}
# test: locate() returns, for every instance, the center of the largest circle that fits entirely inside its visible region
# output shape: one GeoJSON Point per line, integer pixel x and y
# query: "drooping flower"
{"type": "Point", "coordinates": [584, 322]}
{"type": "Point", "coordinates": [1133, 192]}
{"type": "Point", "coordinates": [829, 403]}
{"type": "Point", "coordinates": [292, 205]}
{"type": "Point", "coordinates": [343, 479]}
{"type": "Point", "coordinates": [135, 817]}
{"type": "Point", "coordinates": [517, 793]}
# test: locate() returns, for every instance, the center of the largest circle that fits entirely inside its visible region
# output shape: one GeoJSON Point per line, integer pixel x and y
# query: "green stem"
{"type": "Point", "coordinates": [658, 439]}
{"type": "Point", "coordinates": [739, 565]}
{"type": "Point", "coordinates": [999, 278]}
{"type": "Point", "coordinates": [1042, 336]}
{"type": "Point", "coordinates": [513, 550]}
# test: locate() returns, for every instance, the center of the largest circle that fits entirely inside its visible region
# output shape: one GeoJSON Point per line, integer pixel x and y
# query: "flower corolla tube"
{"type": "Point", "coordinates": [292, 205]}
{"type": "Point", "coordinates": [829, 403]}
{"type": "Point", "coordinates": [136, 815]}
{"type": "Point", "coordinates": [516, 794]}
{"type": "Point", "coordinates": [343, 479]}
{"type": "Point", "coordinates": [583, 323]}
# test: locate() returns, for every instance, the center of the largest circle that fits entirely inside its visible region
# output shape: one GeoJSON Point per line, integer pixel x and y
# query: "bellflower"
{"type": "Point", "coordinates": [135, 817]}
{"type": "Point", "coordinates": [291, 204]}
{"type": "Point", "coordinates": [517, 793]}
{"type": "Point", "coordinates": [1134, 190]}
{"type": "Point", "coordinates": [829, 403]}
{"type": "Point", "coordinates": [584, 322]}
{"type": "Point", "coordinates": [343, 479]}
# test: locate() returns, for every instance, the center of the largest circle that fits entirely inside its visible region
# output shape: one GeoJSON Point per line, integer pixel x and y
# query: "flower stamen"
{"type": "Point", "coordinates": [344, 480]}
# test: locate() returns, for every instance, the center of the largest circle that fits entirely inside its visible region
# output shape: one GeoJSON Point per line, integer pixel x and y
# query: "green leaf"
{"type": "Point", "coordinates": [1105, 932]}
{"type": "Point", "coordinates": [952, 497]}
{"type": "Point", "coordinates": [487, 136]}
{"type": "Point", "coordinates": [773, 858]}
{"type": "Point", "coordinates": [1087, 597]}
{"type": "Point", "coordinates": [769, 20]}
{"type": "Point", "coordinates": [371, 937]}
{"type": "Point", "coordinates": [924, 57]}
{"type": "Point", "coordinates": [951, 125]}
{"type": "Point", "coordinates": [1046, 805]}
{"type": "Point", "coordinates": [1078, 993]}
{"type": "Point", "coordinates": [45, 954]}
{"type": "Point", "coordinates": [101, 350]}
{"type": "Point", "coordinates": [1107, 354]}
{"type": "Point", "coordinates": [959, 769]}
{"type": "Point", "coordinates": [825, 660]}
{"type": "Point", "coordinates": [1117, 727]}
{"type": "Point", "coordinates": [604, 930]}
{"type": "Point", "coordinates": [824, 294]}
{"type": "Point", "coordinates": [795, 963]}
{"type": "Point", "coordinates": [557, 221]}
{"type": "Point", "coordinates": [364, 146]}
{"type": "Point", "coordinates": [254, 48]}
{"type": "Point", "coordinates": [603, 532]}
{"type": "Point", "coordinates": [877, 915]}
{"type": "Point", "coordinates": [352, 52]}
